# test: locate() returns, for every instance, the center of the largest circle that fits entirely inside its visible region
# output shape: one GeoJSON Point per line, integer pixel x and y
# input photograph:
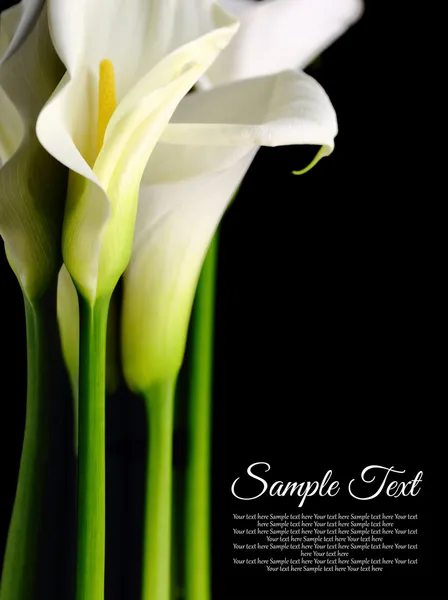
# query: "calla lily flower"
{"type": "Point", "coordinates": [203, 155]}
{"type": "Point", "coordinates": [32, 183]}
{"type": "Point", "coordinates": [128, 66]}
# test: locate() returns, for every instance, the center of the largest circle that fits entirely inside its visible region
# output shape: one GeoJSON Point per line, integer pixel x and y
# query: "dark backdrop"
{"type": "Point", "coordinates": [327, 321]}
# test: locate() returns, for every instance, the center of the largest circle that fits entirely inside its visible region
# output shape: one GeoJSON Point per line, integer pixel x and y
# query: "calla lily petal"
{"type": "Point", "coordinates": [277, 35]}
{"type": "Point", "coordinates": [291, 107]}
{"type": "Point", "coordinates": [177, 218]}
{"type": "Point", "coordinates": [23, 17]}
{"type": "Point", "coordinates": [212, 130]}
{"type": "Point", "coordinates": [103, 192]}
{"type": "Point", "coordinates": [178, 221]}
{"type": "Point", "coordinates": [32, 184]}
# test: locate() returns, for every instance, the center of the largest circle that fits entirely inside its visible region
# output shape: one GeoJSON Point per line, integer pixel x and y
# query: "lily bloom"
{"type": "Point", "coordinates": [253, 98]}
{"type": "Point", "coordinates": [128, 66]}
{"type": "Point", "coordinates": [32, 183]}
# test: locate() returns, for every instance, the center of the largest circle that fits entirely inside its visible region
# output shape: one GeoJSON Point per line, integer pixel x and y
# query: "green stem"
{"type": "Point", "coordinates": [197, 519]}
{"type": "Point", "coordinates": [157, 533]}
{"type": "Point", "coordinates": [21, 559]}
{"type": "Point", "coordinates": [92, 451]}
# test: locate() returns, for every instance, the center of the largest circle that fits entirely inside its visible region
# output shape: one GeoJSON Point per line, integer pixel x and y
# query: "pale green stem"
{"type": "Point", "coordinates": [21, 559]}
{"type": "Point", "coordinates": [159, 400]}
{"type": "Point", "coordinates": [92, 451]}
{"type": "Point", "coordinates": [197, 518]}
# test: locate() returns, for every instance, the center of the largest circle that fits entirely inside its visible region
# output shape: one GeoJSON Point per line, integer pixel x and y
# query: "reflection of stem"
{"type": "Point", "coordinates": [21, 560]}
{"type": "Point", "coordinates": [157, 533]}
{"type": "Point", "coordinates": [197, 519]}
{"type": "Point", "coordinates": [91, 451]}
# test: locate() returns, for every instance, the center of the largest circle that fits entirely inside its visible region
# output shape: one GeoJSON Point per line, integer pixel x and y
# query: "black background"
{"type": "Point", "coordinates": [328, 323]}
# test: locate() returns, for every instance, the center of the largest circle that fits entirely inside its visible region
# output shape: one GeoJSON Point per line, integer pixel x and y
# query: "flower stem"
{"type": "Point", "coordinates": [157, 533]}
{"type": "Point", "coordinates": [91, 451]}
{"type": "Point", "coordinates": [197, 519]}
{"type": "Point", "coordinates": [21, 559]}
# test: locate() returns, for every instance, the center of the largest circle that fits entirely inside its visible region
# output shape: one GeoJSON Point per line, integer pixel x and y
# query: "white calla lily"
{"type": "Point", "coordinates": [212, 139]}
{"type": "Point", "coordinates": [128, 64]}
{"type": "Point", "coordinates": [32, 183]}
{"type": "Point", "coordinates": [180, 167]}
{"type": "Point", "coordinates": [197, 166]}
{"type": "Point", "coordinates": [155, 52]}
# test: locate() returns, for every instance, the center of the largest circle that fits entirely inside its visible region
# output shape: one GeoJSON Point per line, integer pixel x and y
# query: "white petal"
{"type": "Point", "coordinates": [291, 108]}
{"type": "Point", "coordinates": [212, 130]}
{"type": "Point", "coordinates": [277, 35]}
{"type": "Point", "coordinates": [102, 203]}
{"type": "Point", "coordinates": [17, 23]}
{"type": "Point", "coordinates": [32, 184]}
{"type": "Point", "coordinates": [175, 225]}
